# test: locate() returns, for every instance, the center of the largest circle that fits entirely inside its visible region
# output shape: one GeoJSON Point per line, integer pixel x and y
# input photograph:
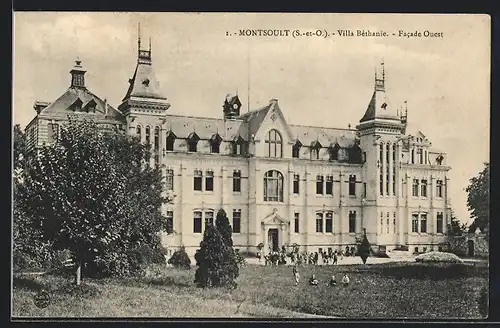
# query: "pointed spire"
{"type": "Point", "coordinates": [138, 38]}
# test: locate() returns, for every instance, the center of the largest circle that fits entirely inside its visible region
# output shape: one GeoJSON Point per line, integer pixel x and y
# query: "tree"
{"type": "Point", "coordinates": [92, 193]}
{"type": "Point", "coordinates": [478, 199]}
{"type": "Point", "coordinates": [19, 150]}
{"type": "Point", "coordinates": [364, 248]}
{"type": "Point", "coordinates": [455, 228]}
{"type": "Point", "coordinates": [213, 259]}
{"type": "Point", "coordinates": [225, 229]}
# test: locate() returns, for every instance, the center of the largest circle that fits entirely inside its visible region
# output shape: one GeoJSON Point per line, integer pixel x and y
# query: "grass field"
{"type": "Point", "coordinates": [390, 290]}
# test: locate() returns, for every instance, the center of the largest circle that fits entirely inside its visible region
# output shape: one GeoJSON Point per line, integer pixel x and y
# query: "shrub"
{"type": "Point", "coordinates": [438, 257]}
{"type": "Point", "coordinates": [364, 249]}
{"type": "Point", "coordinates": [240, 259]}
{"type": "Point", "coordinates": [180, 259]}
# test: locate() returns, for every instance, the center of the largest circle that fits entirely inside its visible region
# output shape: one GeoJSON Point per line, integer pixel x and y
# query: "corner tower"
{"type": "Point", "coordinates": [380, 130]}
{"type": "Point", "coordinates": [144, 89]}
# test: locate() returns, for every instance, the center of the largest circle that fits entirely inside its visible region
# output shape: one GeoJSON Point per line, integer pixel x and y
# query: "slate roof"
{"type": "Point", "coordinates": [255, 118]}
{"type": "Point", "coordinates": [72, 95]}
{"type": "Point", "coordinates": [144, 83]}
{"type": "Point", "coordinates": [326, 136]}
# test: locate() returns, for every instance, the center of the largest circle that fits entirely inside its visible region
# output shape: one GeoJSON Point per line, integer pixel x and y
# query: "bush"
{"type": "Point", "coordinates": [434, 271]}
{"type": "Point", "coordinates": [180, 259]}
{"type": "Point", "coordinates": [240, 259]}
{"type": "Point", "coordinates": [438, 257]}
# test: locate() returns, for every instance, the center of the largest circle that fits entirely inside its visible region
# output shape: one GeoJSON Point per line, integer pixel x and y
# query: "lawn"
{"type": "Point", "coordinates": [390, 290]}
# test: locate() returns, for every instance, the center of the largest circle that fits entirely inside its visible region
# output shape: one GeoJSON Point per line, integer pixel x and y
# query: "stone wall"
{"type": "Point", "coordinates": [459, 245]}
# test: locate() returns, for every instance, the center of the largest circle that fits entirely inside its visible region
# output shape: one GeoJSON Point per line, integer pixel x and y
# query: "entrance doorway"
{"type": "Point", "coordinates": [273, 239]}
{"type": "Point", "coordinates": [470, 245]}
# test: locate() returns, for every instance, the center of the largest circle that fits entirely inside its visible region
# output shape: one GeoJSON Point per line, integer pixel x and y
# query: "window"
{"type": "Point", "coordinates": [170, 221]}
{"type": "Point", "coordinates": [420, 156]}
{"type": "Point", "coordinates": [413, 156]}
{"type": "Point", "coordinates": [352, 185]}
{"type": "Point", "coordinates": [364, 189]}
{"type": "Point", "coordinates": [352, 221]}
{"type": "Point", "coordinates": [138, 132]}
{"type": "Point", "coordinates": [169, 179]}
{"type": "Point", "coordinates": [239, 146]}
{"type": "Point", "coordinates": [415, 188]}
{"type": "Point", "coordinates": [416, 250]}
{"type": "Point", "coordinates": [381, 166]}
{"type": "Point", "coordinates": [237, 221]}
{"type": "Point", "coordinates": [394, 224]}
{"type": "Point", "coordinates": [329, 185]}
{"type": "Point", "coordinates": [394, 185]}
{"type": "Point", "coordinates": [382, 225]}
{"type": "Point", "coordinates": [393, 153]}
{"type": "Point", "coordinates": [197, 222]}
{"type": "Point", "coordinates": [329, 222]}
{"type": "Point", "coordinates": [273, 140]}
{"type": "Point", "coordinates": [439, 222]}
{"type": "Point", "coordinates": [334, 152]}
{"type": "Point", "coordinates": [192, 146]}
{"type": "Point", "coordinates": [319, 185]}
{"type": "Point", "coordinates": [215, 141]}
{"type": "Point", "coordinates": [296, 181]}
{"type": "Point", "coordinates": [439, 188]}
{"type": "Point", "coordinates": [198, 175]}
{"type": "Point", "coordinates": [315, 148]}
{"type": "Point", "coordinates": [425, 157]}
{"type": "Point", "coordinates": [296, 149]}
{"type": "Point", "coordinates": [273, 186]}
{"type": "Point", "coordinates": [148, 135]}
{"type": "Point", "coordinates": [319, 222]}
{"type": "Point", "coordinates": [414, 223]}
{"type": "Point", "coordinates": [209, 181]}
{"type": "Point", "coordinates": [209, 218]}
{"type": "Point", "coordinates": [170, 141]}
{"type": "Point", "coordinates": [53, 132]}
{"type": "Point", "coordinates": [423, 223]}
{"type": "Point", "coordinates": [296, 222]}
{"type": "Point", "coordinates": [423, 188]}
{"type": "Point", "coordinates": [388, 168]}
{"type": "Point", "coordinates": [237, 181]}
{"type": "Point", "coordinates": [157, 146]}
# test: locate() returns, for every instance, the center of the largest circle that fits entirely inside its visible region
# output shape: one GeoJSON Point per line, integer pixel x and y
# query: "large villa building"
{"type": "Point", "coordinates": [280, 184]}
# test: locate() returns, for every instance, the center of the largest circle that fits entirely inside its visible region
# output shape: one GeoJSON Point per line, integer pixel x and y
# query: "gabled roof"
{"type": "Point", "coordinates": [83, 95]}
{"type": "Point", "coordinates": [255, 118]}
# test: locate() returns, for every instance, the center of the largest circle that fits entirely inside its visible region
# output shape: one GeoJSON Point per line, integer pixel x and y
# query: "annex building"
{"type": "Point", "coordinates": [280, 184]}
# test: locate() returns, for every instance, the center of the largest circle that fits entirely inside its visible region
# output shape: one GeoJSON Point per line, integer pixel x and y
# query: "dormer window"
{"type": "Point", "coordinates": [146, 82]}
{"type": "Point", "coordinates": [215, 142]}
{"type": "Point", "coordinates": [334, 152]}
{"type": "Point", "coordinates": [296, 149]}
{"type": "Point", "coordinates": [238, 146]}
{"type": "Point", "coordinates": [170, 140]}
{"type": "Point", "coordinates": [90, 106]}
{"type": "Point", "coordinates": [315, 148]}
{"type": "Point", "coordinates": [192, 141]}
{"type": "Point", "coordinates": [77, 105]}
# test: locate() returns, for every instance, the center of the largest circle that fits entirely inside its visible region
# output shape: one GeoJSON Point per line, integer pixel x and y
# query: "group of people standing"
{"type": "Point", "coordinates": [305, 258]}
{"type": "Point", "coordinates": [313, 281]}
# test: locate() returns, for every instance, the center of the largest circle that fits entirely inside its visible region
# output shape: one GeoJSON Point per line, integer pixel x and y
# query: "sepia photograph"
{"type": "Point", "coordinates": [250, 165]}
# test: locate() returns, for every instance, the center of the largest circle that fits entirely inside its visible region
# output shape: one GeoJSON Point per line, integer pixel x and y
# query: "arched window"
{"type": "Point", "coordinates": [273, 186]}
{"type": "Point", "coordinates": [296, 149]}
{"type": "Point", "coordinates": [274, 142]}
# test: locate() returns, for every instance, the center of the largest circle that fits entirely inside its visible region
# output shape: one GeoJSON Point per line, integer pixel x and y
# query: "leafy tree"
{"type": "Point", "coordinates": [92, 193]}
{"type": "Point", "coordinates": [478, 199]}
{"type": "Point", "coordinates": [364, 248]}
{"type": "Point", "coordinates": [19, 147]}
{"type": "Point", "coordinates": [213, 260]}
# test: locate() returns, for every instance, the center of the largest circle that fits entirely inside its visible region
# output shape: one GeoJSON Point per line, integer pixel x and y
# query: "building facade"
{"type": "Point", "coordinates": [280, 184]}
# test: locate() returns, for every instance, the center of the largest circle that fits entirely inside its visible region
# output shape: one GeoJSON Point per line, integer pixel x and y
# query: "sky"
{"type": "Point", "coordinates": [323, 81]}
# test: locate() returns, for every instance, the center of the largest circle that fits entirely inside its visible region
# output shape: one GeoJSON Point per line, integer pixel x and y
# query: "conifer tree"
{"type": "Point", "coordinates": [364, 248]}
{"type": "Point", "coordinates": [225, 229]}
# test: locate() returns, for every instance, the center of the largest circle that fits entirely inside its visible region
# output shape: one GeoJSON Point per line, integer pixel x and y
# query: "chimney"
{"type": "Point", "coordinates": [273, 101]}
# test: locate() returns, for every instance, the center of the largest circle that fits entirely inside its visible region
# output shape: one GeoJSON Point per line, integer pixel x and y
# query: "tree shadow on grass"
{"type": "Point", "coordinates": [27, 283]}
{"type": "Point", "coordinates": [166, 281]}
